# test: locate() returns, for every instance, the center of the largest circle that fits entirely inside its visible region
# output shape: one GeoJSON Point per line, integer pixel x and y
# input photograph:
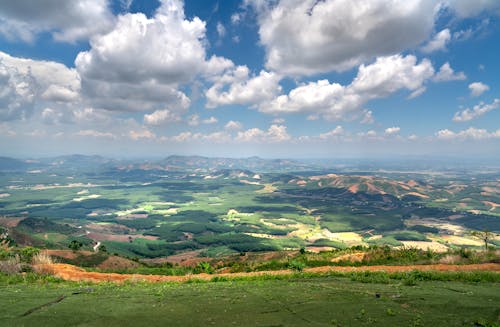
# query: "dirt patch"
{"type": "Point", "coordinates": [352, 257]}
{"type": "Point", "coordinates": [434, 246]}
{"type": "Point", "coordinates": [73, 273]}
{"type": "Point", "coordinates": [114, 262]}
{"type": "Point", "coordinates": [190, 258]}
{"type": "Point", "coordinates": [10, 221]}
{"type": "Point", "coordinates": [418, 194]}
{"type": "Point", "coordinates": [353, 188]}
{"type": "Point", "coordinates": [68, 254]}
{"type": "Point", "coordinates": [493, 205]}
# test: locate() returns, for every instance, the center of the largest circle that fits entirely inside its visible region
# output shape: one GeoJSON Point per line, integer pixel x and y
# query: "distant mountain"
{"type": "Point", "coordinates": [212, 164]}
{"type": "Point", "coordinates": [11, 164]}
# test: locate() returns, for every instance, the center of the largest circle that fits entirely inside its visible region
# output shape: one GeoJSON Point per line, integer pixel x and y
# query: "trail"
{"type": "Point", "coordinates": [73, 273]}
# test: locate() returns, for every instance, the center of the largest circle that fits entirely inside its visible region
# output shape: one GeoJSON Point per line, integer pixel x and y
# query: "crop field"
{"type": "Point", "coordinates": [149, 213]}
{"type": "Point", "coordinates": [301, 301]}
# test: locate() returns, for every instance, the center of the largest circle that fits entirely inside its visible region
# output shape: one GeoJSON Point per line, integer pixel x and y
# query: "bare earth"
{"type": "Point", "coordinates": [73, 273]}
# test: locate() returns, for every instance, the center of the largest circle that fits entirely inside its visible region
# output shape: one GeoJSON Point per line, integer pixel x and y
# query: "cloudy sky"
{"type": "Point", "coordinates": [275, 78]}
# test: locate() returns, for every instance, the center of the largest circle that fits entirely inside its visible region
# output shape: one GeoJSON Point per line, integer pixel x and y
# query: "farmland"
{"type": "Point", "coordinates": [151, 210]}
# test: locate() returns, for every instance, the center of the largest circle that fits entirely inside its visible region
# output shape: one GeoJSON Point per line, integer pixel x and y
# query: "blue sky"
{"type": "Point", "coordinates": [320, 79]}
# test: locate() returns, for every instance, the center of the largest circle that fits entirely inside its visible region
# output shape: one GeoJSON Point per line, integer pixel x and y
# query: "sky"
{"type": "Point", "coordinates": [272, 78]}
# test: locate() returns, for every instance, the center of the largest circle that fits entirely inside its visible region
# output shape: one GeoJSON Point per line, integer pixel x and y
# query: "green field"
{"type": "Point", "coordinates": [324, 301]}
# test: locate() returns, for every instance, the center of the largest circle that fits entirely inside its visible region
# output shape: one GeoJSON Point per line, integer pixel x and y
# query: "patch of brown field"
{"type": "Point", "coordinates": [352, 257]}
{"type": "Point", "coordinates": [10, 221]}
{"type": "Point", "coordinates": [318, 249]}
{"type": "Point", "coordinates": [418, 194]}
{"type": "Point", "coordinates": [353, 188]}
{"type": "Point", "coordinates": [462, 205]}
{"type": "Point", "coordinates": [73, 273]}
{"type": "Point", "coordinates": [67, 254]}
{"type": "Point", "coordinates": [190, 258]}
{"type": "Point", "coordinates": [434, 246]}
{"type": "Point", "coordinates": [114, 262]}
{"type": "Point", "coordinates": [411, 183]}
{"type": "Point", "coordinates": [268, 188]}
{"type": "Point", "coordinates": [4, 195]}
{"type": "Point", "coordinates": [96, 236]}
{"type": "Point", "coordinates": [132, 216]}
{"type": "Point", "coordinates": [493, 205]}
{"type": "Point", "coordinates": [489, 189]}
{"type": "Point", "coordinates": [373, 189]}
{"type": "Point", "coordinates": [453, 217]}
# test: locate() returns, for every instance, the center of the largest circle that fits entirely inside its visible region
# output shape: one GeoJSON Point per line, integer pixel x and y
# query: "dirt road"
{"type": "Point", "coordinates": [73, 273]}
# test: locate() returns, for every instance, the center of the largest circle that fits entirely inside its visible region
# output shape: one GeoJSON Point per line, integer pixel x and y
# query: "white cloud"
{"type": "Point", "coordinates": [94, 133]}
{"type": "Point", "coordinates": [275, 133]}
{"type": "Point", "coordinates": [66, 20]}
{"type": "Point", "coordinates": [470, 133]}
{"type": "Point", "coordinates": [307, 37]}
{"type": "Point", "coordinates": [142, 134]}
{"type": "Point", "coordinates": [337, 102]}
{"type": "Point", "coordinates": [438, 42]}
{"type": "Point", "coordinates": [221, 30]}
{"type": "Point", "coordinates": [476, 111]}
{"type": "Point", "coordinates": [193, 120]}
{"type": "Point", "coordinates": [210, 120]}
{"type": "Point", "coordinates": [51, 81]}
{"type": "Point", "coordinates": [478, 88]}
{"type": "Point", "coordinates": [334, 133]}
{"type": "Point", "coordinates": [392, 130]}
{"type": "Point", "coordinates": [141, 63]}
{"type": "Point", "coordinates": [233, 125]}
{"type": "Point", "coordinates": [278, 121]}
{"type": "Point", "coordinates": [17, 93]}
{"type": "Point", "coordinates": [446, 73]}
{"type": "Point", "coordinates": [243, 89]}
{"type": "Point", "coordinates": [160, 117]}
{"type": "Point", "coordinates": [236, 18]}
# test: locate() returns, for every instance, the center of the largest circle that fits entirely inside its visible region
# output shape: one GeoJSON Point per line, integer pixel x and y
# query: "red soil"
{"type": "Point", "coordinates": [73, 273]}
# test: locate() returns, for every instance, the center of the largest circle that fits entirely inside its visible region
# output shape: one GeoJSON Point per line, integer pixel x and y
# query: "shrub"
{"type": "Point", "coordinates": [11, 266]}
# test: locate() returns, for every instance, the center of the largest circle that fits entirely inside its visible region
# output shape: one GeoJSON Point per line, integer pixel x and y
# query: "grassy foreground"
{"type": "Point", "coordinates": [320, 301]}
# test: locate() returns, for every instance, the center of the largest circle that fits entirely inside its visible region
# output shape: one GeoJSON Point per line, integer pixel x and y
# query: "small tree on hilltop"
{"type": "Point", "coordinates": [484, 235]}
{"type": "Point", "coordinates": [75, 245]}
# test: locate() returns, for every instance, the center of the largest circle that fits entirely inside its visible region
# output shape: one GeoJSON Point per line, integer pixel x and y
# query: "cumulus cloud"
{"type": "Point", "coordinates": [337, 102]}
{"type": "Point", "coordinates": [51, 81]}
{"type": "Point", "coordinates": [392, 130]}
{"type": "Point", "coordinates": [17, 93]}
{"type": "Point", "coordinates": [160, 117]}
{"type": "Point", "coordinates": [470, 133]}
{"type": "Point", "coordinates": [142, 134]}
{"type": "Point", "coordinates": [446, 73]}
{"type": "Point", "coordinates": [210, 120]}
{"type": "Point", "coordinates": [66, 20]}
{"type": "Point", "coordinates": [275, 133]}
{"type": "Point", "coordinates": [141, 63]}
{"type": "Point", "coordinates": [438, 42]}
{"type": "Point", "coordinates": [476, 111]}
{"type": "Point", "coordinates": [307, 37]}
{"type": "Point", "coordinates": [478, 88]}
{"type": "Point", "coordinates": [233, 125]}
{"type": "Point", "coordinates": [94, 133]}
{"type": "Point", "coordinates": [238, 87]}
{"type": "Point", "coordinates": [334, 133]}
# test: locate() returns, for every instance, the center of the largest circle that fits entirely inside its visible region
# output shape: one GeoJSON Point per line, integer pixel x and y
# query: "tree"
{"type": "Point", "coordinates": [75, 245]}
{"type": "Point", "coordinates": [102, 248]}
{"type": "Point", "coordinates": [484, 235]}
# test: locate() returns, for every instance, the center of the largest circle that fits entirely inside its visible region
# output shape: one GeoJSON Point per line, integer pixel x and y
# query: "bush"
{"type": "Point", "coordinates": [11, 266]}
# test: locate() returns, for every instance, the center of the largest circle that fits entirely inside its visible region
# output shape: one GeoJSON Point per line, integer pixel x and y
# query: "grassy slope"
{"type": "Point", "coordinates": [323, 301]}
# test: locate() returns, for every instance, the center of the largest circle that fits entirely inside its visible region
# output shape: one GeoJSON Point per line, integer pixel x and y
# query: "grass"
{"type": "Point", "coordinates": [297, 301]}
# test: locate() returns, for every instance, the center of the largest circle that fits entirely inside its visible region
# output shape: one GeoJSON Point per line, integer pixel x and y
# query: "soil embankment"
{"type": "Point", "coordinates": [74, 273]}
